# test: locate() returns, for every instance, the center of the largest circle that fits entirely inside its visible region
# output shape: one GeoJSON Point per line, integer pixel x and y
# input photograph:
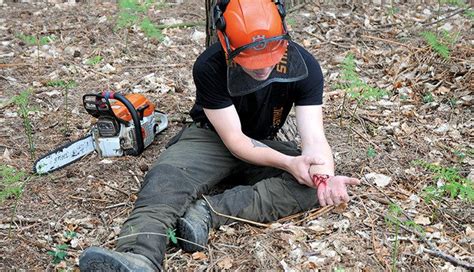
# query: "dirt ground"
{"type": "Point", "coordinates": [426, 115]}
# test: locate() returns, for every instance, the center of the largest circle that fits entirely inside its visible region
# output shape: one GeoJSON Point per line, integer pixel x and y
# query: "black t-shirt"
{"type": "Point", "coordinates": [263, 112]}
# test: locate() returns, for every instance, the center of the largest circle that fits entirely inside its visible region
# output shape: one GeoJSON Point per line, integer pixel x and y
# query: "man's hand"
{"type": "Point", "coordinates": [299, 166]}
{"type": "Point", "coordinates": [334, 191]}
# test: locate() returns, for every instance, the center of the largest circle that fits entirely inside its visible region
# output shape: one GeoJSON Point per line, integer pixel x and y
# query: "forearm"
{"type": "Point", "coordinates": [322, 150]}
{"type": "Point", "coordinates": [255, 152]}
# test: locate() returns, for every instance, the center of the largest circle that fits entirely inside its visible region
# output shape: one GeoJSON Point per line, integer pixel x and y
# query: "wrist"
{"type": "Point", "coordinates": [321, 179]}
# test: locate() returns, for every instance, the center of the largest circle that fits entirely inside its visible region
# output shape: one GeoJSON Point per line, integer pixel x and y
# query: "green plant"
{"type": "Point", "coordinates": [391, 11]}
{"type": "Point", "coordinates": [428, 97]}
{"type": "Point", "coordinates": [94, 60]}
{"type": "Point", "coordinates": [35, 40]}
{"type": "Point", "coordinates": [150, 30]}
{"type": "Point", "coordinates": [59, 254]}
{"type": "Point", "coordinates": [69, 234]}
{"type": "Point", "coordinates": [12, 183]}
{"type": "Point", "coordinates": [354, 85]}
{"type": "Point", "coordinates": [392, 219]}
{"type": "Point", "coordinates": [171, 234]}
{"type": "Point", "coordinates": [458, 3]}
{"type": "Point", "coordinates": [38, 41]}
{"type": "Point", "coordinates": [133, 12]}
{"type": "Point", "coordinates": [66, 85]}
{"type": "Point", "coordinates": [22, 101]}
{"type": "Point", "coordinates": [290, 21]}
{"type": "Point", "coordinates": [371, 153]}
{"type": "Point", "coordinates": [356, 89]}
{"type": "Point", "coordinates": [454, 184]}
{"type": "Point", "coordinates": [469, 14]}
{"type": "Point", "coordinates": [441, 42]}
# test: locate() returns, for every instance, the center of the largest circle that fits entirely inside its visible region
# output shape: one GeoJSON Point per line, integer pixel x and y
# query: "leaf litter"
{"type": "Point", "coordinates": [425, 115]}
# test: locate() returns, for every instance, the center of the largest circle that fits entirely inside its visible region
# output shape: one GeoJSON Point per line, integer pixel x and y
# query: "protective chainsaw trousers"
{"type": "Point", "coordinates": [192, 167]}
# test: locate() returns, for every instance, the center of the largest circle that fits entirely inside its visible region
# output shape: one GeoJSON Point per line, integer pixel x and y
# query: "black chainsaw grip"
{"type": "Point", "coordinates": [136, 122]}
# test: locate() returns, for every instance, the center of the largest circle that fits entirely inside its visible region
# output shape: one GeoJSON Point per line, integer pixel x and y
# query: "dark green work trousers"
{"type": "Point", "coordinates": [191, 167]}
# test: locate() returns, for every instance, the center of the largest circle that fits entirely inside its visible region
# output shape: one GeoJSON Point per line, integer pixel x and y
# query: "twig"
{"type": "Point", "coordinates": [88, 199]}
{"type": "Point", "coordinates": [136, 178]}
{"type": "Point", "coordinates": [434, 250]}
{"type": "Point", "coordinates": [449, 258]}
{"type": "Point", "coordinates": [189, 24]}
{"type": "Point", "coordinates": [456, 12]}
{"type": "Point", "coordinates": [117, 189]}
{"type": "Point", "coordinates": [52, 198]}
{"type": "Point", "coordinates": [166, 65]}
{"type": "Point", "coordinates": [6, 65]}
{"type": "Point", "coordinates": [340, 45]}
{"type": "Point", "coordinates": [318, 213]}
{"type": "Point", "coordinates": [374, 244]}
{"type": "Point", "coordinates": [385, 40]}
{"type": "Point", "coordinates": [236, 218]}
{"type": "Point", "coordinates": [363, 137]}
{"type": "Point", "coordinates": [297, 7]}
{"type": "Point", "coordinates": [116, 205]}
{"type": "Point", "coordinates": [150, 233]}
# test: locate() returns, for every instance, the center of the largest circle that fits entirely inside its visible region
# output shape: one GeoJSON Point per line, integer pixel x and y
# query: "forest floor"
{"type": "Point", "coordinates": [412, 146]}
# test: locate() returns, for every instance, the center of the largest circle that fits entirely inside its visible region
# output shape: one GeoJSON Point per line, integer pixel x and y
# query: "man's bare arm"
{"type": "Point", "coordinates": [227, 124]}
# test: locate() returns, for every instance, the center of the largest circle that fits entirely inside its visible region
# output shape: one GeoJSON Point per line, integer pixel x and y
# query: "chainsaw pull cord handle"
{"type": "Point", "coordinates": [135, 118]}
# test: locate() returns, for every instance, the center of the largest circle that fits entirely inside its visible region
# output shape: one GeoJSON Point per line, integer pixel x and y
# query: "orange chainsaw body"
{"type": "Point", "coordinates": [139, 102]}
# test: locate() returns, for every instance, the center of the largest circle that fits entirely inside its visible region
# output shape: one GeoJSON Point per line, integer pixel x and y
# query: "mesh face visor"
{"type": "Point", "coordinates": [287, 68]}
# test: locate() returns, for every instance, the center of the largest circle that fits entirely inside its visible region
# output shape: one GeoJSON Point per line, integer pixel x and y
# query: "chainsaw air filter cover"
{"type": "Point", "coordinates": [108, 126]}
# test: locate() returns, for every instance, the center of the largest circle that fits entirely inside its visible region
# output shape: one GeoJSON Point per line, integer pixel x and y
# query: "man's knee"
{"type": "Point", "coordinates": [165, 184]}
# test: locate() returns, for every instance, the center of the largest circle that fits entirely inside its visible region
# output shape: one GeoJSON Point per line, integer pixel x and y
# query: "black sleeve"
{"type": "Point", "coordinates": [211, 86]}
{"type": "Point", "coordinates": [310, 89]}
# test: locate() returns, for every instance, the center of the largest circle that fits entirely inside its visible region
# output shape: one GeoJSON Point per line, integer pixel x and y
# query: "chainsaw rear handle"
{"type": "Point", "coordinates": [135, 117]}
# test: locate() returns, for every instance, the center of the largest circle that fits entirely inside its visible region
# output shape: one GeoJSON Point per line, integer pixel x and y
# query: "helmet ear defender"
{"type": "Point", "coordinates": [219, 9]}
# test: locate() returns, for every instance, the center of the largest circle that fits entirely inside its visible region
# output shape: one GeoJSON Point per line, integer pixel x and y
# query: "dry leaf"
{"type": "Point", "coordinates": [225, 263]}
{"type": "Point", "coordinates": [199, 256]}
{"type": "Point", "coordinates": [6, 155]}
{"type": "Point", "coordinates": [469, 232]}
{"type": "Point", "coordinates": [340, 208]}
{"type": "Point", "coordinates": [422, 220]}
{"type": "Point", "coordinates": [379, 179]}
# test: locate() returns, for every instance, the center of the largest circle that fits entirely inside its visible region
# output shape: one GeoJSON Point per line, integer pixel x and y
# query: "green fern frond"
{"type": "Point", "coordinates": [351, 82]}
{"type": "Point", "coordinates": [435, 43]}
{"type": "Point", "coordinates": [150, 30]}
{"type": "Point", "coordinates": [455, 185]}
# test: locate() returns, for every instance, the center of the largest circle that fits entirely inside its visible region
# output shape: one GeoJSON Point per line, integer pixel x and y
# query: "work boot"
{"type": "Point", "coordinates": [100, 259]}
{"type": "Point", "coordinates": [194, 226]}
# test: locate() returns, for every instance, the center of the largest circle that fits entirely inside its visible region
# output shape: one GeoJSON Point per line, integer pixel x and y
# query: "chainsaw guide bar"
{"type": "Point", "coordinates": [125, 126]}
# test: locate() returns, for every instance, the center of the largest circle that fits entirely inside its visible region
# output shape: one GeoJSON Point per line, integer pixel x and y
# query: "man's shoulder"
{"type": "Point", "coordinates": [213, 56]}
{"type": "Point", "coordinates": [307, 56]}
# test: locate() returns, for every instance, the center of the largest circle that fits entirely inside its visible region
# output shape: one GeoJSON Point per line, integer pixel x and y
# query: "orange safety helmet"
{"type": "Point", "coordinates": [252, 32]}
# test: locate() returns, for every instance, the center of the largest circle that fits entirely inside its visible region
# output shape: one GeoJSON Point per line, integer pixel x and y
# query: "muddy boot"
{"type": "Point", "coordinates": [100, 259]}
{"type": "Point", "coordinates": [194, 226]}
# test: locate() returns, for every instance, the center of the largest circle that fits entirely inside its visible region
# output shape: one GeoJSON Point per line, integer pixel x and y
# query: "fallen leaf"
{"type": "Point", "coordinates": [225, 263]}
{"type": "Point", "coordinates": [199, 256]}
{"type": "Point", "coordinates": [6, 155]}
{"type": "Point", "coordinates": [469, 232]}
{"type": "Point", "coordinates": [340, 208]}
{"type": "Point", "coordinates": [422, 220]}
{"type": "Point", "coordinates": [379, 179]}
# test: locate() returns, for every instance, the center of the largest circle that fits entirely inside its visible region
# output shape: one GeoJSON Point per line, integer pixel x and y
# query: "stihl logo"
{"type": "Point", "coordinates": [261, 45]}
{"type": "Point", "coordinates": [282, 66]}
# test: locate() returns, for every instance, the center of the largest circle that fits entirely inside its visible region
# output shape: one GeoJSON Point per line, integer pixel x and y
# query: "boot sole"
{"type": "Point", "coordinates": [99, 259]}
{"type": "Point", "coordinates": [184, 227]}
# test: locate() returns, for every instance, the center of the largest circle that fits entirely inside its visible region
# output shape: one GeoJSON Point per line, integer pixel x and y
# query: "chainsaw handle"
{"type": "Point", "coordinates": [163, 121]}
{"type": "Point", "coordinates": [135, 118]}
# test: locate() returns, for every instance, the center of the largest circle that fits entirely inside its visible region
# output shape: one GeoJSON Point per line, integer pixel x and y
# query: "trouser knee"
{"type": "Point", "coordinates": [166, 184]}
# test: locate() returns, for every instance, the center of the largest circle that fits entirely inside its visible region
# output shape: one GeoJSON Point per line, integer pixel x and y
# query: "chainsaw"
{"type": "Point", "coordinates": [125, 125]}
